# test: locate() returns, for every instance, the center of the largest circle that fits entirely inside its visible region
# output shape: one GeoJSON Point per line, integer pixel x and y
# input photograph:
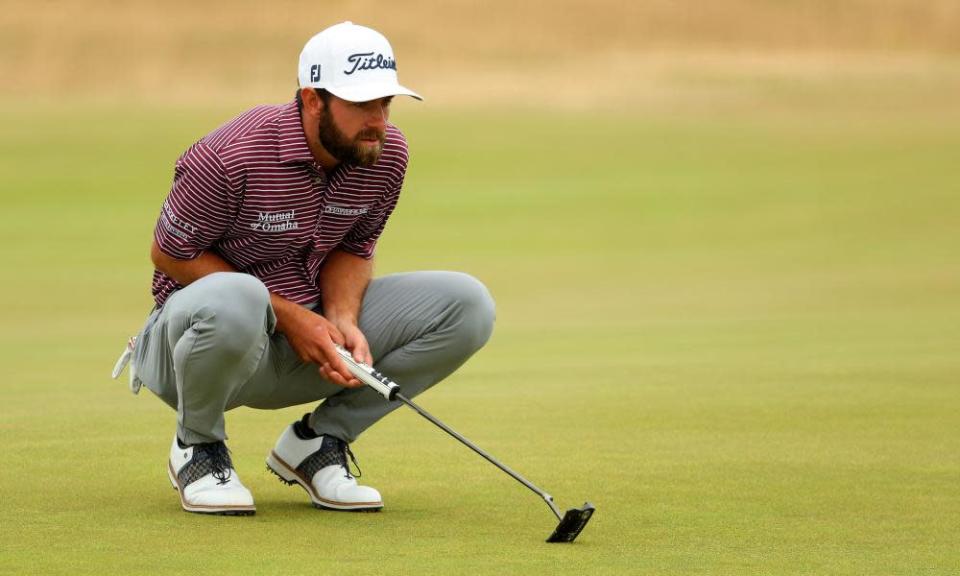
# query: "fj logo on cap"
{"type": "Point", "coordinates": [315, 73]}
{"type": "Point", "coordinates": [366, 61]}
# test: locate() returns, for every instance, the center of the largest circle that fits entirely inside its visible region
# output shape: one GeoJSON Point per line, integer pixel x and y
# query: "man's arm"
{"type": "Point", "coordinates": [343, 280]}
{"type": "Point", "coordinates": [311, 335]}
{"type": "Point", "coordinates": [188, 271]}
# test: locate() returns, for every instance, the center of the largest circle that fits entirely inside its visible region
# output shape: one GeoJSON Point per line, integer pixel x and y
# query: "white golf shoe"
{"type": "Point", "coordinates": [319, 466]}
{"type": "Point", "coordinates": [204, 477]}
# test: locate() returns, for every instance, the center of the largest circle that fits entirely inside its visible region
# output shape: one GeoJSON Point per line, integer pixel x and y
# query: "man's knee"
{"type": "Point", "coordinates": [475, 307]}
{"type": "Point", "coordinates": [234, 306]}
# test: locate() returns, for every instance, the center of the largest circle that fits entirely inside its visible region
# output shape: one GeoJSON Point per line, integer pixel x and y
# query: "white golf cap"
{"type": "Point", "coordinates": [352, 62]}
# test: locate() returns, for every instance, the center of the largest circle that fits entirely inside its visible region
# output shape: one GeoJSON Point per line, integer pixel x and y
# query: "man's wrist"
{"type": "Point", "coordinates": [285, 310]}
{"type": "Point", "coordinates": [340, 318]}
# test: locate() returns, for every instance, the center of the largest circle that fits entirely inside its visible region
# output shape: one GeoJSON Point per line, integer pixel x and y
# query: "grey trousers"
{"type": "Point", "coordinates": [212, 347]}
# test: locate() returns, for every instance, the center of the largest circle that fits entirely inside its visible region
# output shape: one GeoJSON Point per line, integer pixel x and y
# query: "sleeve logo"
{"type": "Point", "coordinates": [174, 225]}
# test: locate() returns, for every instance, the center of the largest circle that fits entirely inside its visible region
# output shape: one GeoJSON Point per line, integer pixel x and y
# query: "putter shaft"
{"type": "Point", "coordinates": [546, 497]}
{"type": "Point", "coordinates": [390, 390]}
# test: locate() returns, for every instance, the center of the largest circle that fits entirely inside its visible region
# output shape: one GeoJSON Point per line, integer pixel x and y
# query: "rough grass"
{"type": "Point", "coordinates": [737, 337]}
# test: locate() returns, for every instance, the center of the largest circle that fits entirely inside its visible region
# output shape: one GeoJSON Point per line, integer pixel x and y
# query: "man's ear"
{"type": "Point", "coordinates": [311, 102]}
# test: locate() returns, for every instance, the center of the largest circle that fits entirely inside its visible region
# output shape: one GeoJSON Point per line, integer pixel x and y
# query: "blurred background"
{"type": "Point", "coordinates": [722, 237]}
{"type": "Point", "coordinates": [627, 57]}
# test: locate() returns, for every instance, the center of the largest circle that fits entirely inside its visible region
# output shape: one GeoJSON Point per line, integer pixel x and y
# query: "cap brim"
{"type": "Point", "coordinates": [367, 92]}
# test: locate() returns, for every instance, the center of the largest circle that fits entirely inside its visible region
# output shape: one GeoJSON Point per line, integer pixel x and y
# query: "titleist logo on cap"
{"type": "Point", "coordinates": [367, 61]}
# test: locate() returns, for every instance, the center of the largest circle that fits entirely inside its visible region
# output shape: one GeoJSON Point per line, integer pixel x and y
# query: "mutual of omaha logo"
{"type": "Point", "coordinates": [367, 61]}
{"type": "Point", "coordinates": [275, 221]}
{"type": "Point", "coordinates": [344, 210]}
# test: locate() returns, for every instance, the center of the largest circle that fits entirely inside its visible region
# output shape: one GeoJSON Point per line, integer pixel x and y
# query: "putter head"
{"type": "Point", "coordinates": [572, 524]}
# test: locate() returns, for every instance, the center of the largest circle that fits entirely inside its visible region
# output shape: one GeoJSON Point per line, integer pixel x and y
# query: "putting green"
{"type": "Point", "coordinates": [736, 336]}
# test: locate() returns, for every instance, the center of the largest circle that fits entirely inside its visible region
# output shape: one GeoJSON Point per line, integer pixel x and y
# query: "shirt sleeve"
{"type": "Point", "coordinates": [200, 207]}
{"type": "Point", "coordinates": [361, 240]}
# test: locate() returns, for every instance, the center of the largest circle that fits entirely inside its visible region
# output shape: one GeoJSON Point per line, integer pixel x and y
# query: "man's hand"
{"type": "Point", "coordinates": [312, 337]}
{"type": "Point", "coordinates": [356, 342]}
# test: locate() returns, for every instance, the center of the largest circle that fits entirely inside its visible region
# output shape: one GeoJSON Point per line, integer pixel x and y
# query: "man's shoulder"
{"type": "Point", "coordinates": [258, 127]}
{"type": "Point", "coordinates": [395, 154]}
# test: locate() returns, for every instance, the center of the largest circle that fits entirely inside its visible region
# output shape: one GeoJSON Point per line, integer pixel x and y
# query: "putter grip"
{"type": "Point", "coordinates": [366, 374]}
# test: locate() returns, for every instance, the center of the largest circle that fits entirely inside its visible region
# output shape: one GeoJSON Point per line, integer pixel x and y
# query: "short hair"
{"type": "Point", "coordinates": [322, 93]}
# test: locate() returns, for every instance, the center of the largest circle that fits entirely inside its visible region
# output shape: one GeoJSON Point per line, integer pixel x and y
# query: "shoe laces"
{"type": "Point", "coordinates": [344, 449]}
{"type": "Point", "coordinates": [219, 457]}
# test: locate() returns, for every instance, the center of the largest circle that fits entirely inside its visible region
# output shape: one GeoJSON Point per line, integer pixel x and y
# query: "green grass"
{"type": "Point", "coordinates": [737, 336]}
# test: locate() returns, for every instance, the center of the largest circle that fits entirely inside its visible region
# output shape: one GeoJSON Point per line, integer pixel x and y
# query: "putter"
{"type": "Point", "coordinates": [571, 523]}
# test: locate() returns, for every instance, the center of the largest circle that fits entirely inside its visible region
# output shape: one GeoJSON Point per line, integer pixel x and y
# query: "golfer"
{"type": "Point", "coordinates": [264, 255]}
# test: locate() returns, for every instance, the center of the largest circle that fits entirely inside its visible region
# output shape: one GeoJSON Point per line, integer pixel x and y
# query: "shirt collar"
{"type": "Point", "coordinates": [292, 142]}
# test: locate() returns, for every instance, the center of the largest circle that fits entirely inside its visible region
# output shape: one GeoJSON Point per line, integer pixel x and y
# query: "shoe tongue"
{"type": "Point", "coordinates": [331, 443]}
{"type": "Point", "coordinates": [217, 452]}
{"type": "Point", "coordinates": [212, 447]}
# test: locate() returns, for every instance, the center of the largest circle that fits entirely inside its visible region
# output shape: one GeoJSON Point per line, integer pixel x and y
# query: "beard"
{"type": "Point", "coordinates": [346, 150]}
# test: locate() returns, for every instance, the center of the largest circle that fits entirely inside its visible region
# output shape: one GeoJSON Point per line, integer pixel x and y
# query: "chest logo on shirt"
{"type": "Point", "coordinates": [345, 210]}
{"type": "Point", "coordinates": [275, 221]}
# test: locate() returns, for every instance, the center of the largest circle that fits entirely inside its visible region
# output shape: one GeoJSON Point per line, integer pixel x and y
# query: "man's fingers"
{"type": "Point", "coordinates": [329, 371]}
{"type": "Point", "coordinates": [332, 375]}
{"type": "Point", "coordinates": [335, 334]}
{"type": "Point", "coordinates": [336, 375]}
{"type": "Point", "coordinates": [364, 352]}
{"type": "Point", "coordinates": [337, 379]}
{"type": "Point", "coordinates": [341, 367]}
{"type": "Point", "coordinates": [358, 346]}
{"type": "Point", "coordinates": [333, 358]}
{"type": "Point", "coordinates": [361, 353]}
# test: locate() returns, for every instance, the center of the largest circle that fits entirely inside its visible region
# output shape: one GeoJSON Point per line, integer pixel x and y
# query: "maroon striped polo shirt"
{"type": "Point", "coordinates": [252, 192]}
